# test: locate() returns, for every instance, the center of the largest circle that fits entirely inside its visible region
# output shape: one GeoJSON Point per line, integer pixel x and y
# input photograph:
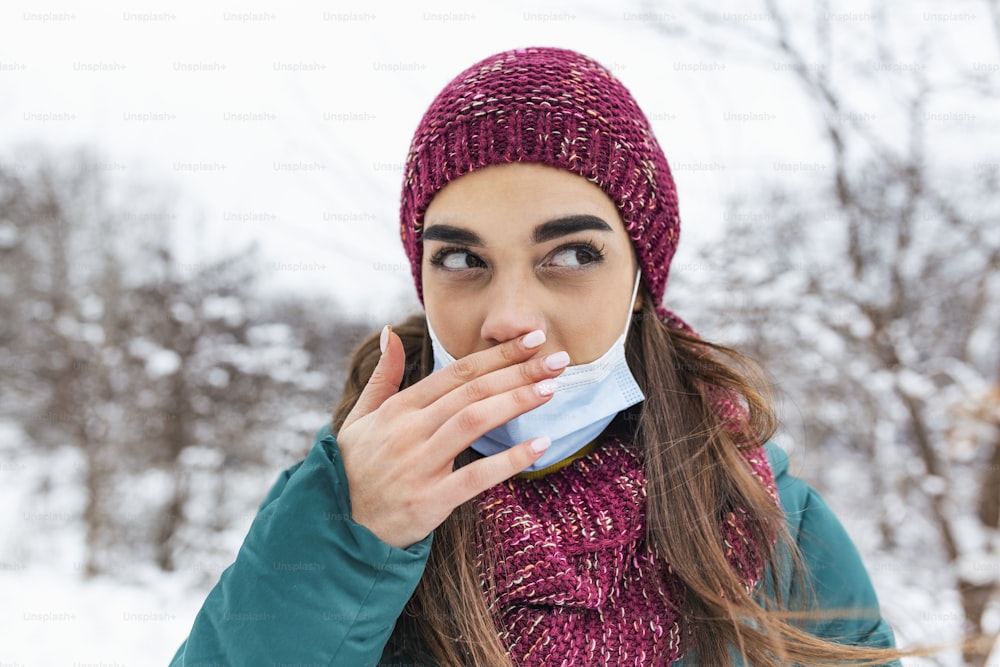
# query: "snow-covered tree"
{"type": "Point", "coordinates": [181, 388]}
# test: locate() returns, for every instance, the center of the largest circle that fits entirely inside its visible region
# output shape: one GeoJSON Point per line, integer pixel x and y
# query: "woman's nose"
{"type": "Point", "coordinates": [511, 310]}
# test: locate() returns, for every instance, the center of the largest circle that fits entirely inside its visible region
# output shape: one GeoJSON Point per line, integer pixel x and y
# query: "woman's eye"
{"type": "Point", "coordinates": [575, 256]}
{"type": "Point", "coordinates": [458, 260]}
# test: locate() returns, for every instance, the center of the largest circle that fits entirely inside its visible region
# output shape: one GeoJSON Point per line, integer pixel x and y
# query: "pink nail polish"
{"type": "Point", "coordinates": [533, 339]}
{"type": "Point", "coordinates": [539, 445]}
{"type": "Point", "coordinates": [545, 387]}
{"type": "Point", "coordinates": [383, 339]}
{"type": "Point", "coordinates": [556, 361]}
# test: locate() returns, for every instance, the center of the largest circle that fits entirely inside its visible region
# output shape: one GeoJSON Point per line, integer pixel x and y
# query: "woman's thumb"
{"type": "Point", "coordinates": [386, 377]}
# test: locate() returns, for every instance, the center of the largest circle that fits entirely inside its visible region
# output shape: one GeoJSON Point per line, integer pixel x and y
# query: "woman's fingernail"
{"type": "Point", "coordinates": [533, 339]}
{"type": "Point", "coordinates": [545, 387]}
{"type": "Point", "coordinates": [539, 445]}
{"type": "Point", "coordinates": [556, 361]}
{"type": "Point", "coordinates": [383, 339]}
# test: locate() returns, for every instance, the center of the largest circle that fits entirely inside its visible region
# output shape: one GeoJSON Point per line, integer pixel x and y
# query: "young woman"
{"type": "Point", "coordinates": [547, 467]}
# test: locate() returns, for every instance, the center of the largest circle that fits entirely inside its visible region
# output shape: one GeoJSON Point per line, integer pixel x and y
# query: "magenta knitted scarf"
{"type": "Point", "coordinates": [576, 582]}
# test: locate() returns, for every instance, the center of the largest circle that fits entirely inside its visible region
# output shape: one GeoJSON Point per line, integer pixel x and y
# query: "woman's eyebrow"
{"type": "Point", "coordinates": [451, 234]}
{"type": "Point", "coordinates": [546, 231]}
{"type": "Point", "coordinates": [570, 224]}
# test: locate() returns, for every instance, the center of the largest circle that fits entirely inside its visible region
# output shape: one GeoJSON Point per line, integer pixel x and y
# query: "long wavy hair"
{"type": "Point", "coordinates": [694, 469]}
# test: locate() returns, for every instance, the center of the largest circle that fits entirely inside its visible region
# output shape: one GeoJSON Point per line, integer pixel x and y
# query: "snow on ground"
{"type": "Point", "coordinates": [51, 615]}
{"type": "Point", "coordinates": [53, 618]}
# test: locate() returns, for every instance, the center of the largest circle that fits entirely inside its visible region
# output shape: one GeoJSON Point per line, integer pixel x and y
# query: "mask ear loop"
{"type": "Point", "coordinates": [446, 358]}
{"type": "Point", "coordinates": [631, 304]}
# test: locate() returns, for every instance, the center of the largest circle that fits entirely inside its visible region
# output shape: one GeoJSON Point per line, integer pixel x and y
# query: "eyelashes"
{"type": "Point", "coordinates": [585, 253]}
{"type": "Point", "coordinates": [439, 257]}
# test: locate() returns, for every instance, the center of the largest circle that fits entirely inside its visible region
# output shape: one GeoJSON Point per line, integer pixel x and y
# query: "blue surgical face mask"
{"type": "Point", "coordinates": [587, 398]}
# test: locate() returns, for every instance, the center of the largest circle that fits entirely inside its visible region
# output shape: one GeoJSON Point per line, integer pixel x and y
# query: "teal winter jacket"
{"type": "Point", "coordinates": [312, 587]}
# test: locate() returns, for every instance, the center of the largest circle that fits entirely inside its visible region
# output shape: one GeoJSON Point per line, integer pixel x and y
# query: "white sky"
{"type": "Point", "coordinates": [344, 121]}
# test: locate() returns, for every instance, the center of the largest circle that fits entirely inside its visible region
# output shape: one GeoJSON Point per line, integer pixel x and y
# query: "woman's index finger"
{"type": "Point", "coordinates": [472, 366]}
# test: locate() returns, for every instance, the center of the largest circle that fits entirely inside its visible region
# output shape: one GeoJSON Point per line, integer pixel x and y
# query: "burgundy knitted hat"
{"type": "Point", "coordinates": [555, 107]}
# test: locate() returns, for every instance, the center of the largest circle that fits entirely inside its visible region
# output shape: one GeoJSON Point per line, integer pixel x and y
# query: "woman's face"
{"type": "Point", "coordinates": [512, 248]}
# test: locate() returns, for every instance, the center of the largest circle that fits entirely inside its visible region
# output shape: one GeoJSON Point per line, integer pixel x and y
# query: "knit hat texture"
{"type": "Point", "coordinates": [554, 107]}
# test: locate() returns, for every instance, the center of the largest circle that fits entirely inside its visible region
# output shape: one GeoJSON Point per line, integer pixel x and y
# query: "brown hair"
{"type": "Point", "coordinates": [694, 467]}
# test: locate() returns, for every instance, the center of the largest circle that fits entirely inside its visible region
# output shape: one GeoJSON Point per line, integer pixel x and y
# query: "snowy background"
{"type": "Point", "coordinates": [198, 220]}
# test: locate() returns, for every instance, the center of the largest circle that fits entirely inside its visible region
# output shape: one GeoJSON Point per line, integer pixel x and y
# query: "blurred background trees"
{"type": "Point", "coordinates": [171, 383]}
{"type": "Point", "coordinates": [867, 281]}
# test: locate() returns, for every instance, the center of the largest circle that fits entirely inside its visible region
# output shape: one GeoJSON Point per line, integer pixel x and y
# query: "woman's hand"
{"type": "Point", "coordinates": [399, 447]}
